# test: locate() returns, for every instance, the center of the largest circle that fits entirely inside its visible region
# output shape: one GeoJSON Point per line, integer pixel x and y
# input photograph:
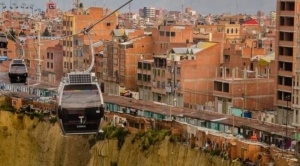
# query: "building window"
{"type": "Point", "coordinates": [225, 87]}
{"type": "Point", "coordinates": [51, 55]}
{"type": "Point", "coordinates": [161, 33]}
{"type": "Point", "coordinates": [108, 24]}
{"type": "Point", "coordinates": [163, 73]}
{"type": "Point", "coordinates": [163, 86]}
{"type": "Point", "coordinates": [48, 65]}
{"type": "Point", "coordinates": [149, 66]}
{"type": "Point", "coordinates": [139, 65]}
{"type": "Point", "coordinates": [48, 55]}
{"type": "Point", "coordinates": [145, 66]}
{"type": "Point", "coordinates": [178, 71]}
{"type": "Point", "coordinates": [139, 76]}
{"type": "Point", "coordinates": [51, 65]}
{"type": "Point", "coordinates": [173, 34]}
{"type": "Point", "coordinates": [144, 77]}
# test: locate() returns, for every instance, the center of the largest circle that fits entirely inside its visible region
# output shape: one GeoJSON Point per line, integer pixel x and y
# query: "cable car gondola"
{"type": "Point", "coordinates": [80, 104]}
{"type": "Point", "coordinates": [17, 71]}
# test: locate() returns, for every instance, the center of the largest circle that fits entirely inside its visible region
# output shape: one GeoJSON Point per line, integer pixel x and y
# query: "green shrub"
{"type": "Point", "coordinates": [41, 116]}
{"type": "Point", "coordinates": [53, 119]}
{"type": "Point", "coordinates": [193, 145]}
{"type": "Point", "coordinates": [215, 152]}
{"type": "Point", "coordinates": [115, 132]}
{"type": "Point", "coordinates": [113, 163]}
{"type": "Point", "coordinates": [151, 137]}
{"type": "Point", "coordinates": [8, 108]}
{"type": "Point", "coordinates": [92, 142]}
{"type": "Point", "coordinates": [174, 138]}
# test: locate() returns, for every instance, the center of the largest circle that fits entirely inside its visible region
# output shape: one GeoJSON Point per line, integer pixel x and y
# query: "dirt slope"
{"type": "Point", "coordinates": [29, 142]}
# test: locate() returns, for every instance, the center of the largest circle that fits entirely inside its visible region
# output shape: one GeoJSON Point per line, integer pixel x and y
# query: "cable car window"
{"type": "Point", "coordinates": [79, 96]}
{"type": "Point", "coordinates": [18, 68]}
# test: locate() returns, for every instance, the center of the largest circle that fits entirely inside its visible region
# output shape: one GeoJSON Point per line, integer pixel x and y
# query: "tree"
{"type": "Point", "coordinates": [46, 32]}
{"type": "Point", "coordinates": [12, 34]}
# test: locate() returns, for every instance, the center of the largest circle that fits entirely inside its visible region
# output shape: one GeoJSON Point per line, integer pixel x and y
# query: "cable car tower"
{"type": "Point", "coordinates": [80, 105]}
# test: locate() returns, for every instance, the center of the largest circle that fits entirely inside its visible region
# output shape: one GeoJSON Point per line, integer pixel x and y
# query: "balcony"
{"type": "Point", "coordinates": [159, 90]}
{"type": "Point", "coordinates": [285, 73]}
{"type": "Point", "coordinates": [284, 88]}
{"type": "Point", "coordinates": [143, 83]}
{"type": "Point", "coordinates": [283, 103]}
{"type": "Point", "coordinates": [285, 58]}
{"type": "Point", "coordinates": [286, 28]}
{"type": "Point", "coordinates": [221, 94]}
{"type": "Point", "coordinates": [144, 71]}
{"type": "Point", "coordinates": [286, 13]}
{"type": "Point", "coordinates": [286, 43]}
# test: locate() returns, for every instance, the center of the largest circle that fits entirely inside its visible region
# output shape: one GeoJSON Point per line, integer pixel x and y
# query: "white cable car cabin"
{"type": "Point", "coordinates": [17, 72]}
{"type": "Point", "coordinates": [80, 104]}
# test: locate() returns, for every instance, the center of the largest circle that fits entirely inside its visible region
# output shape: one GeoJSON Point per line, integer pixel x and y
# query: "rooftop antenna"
{"type": "Point", "coordinates": [76, 3]}
{"type": "Point", "coordinates": [182, 10]}
{"type": "Point", "coordinates": [129, 5]}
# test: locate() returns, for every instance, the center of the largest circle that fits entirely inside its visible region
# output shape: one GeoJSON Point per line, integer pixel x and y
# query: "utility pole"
{"type": "Point", "coordinates": [38, 30]}
{"type": "Point", "coordinates": [287, 98]}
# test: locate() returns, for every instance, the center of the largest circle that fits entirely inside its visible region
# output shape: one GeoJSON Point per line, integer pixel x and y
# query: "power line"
{"type": "Point", "coordinates": [85, 30]}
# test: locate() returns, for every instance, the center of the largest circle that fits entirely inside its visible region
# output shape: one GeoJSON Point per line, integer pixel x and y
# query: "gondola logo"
{"type": "Point", "coordinates": [82, 119]}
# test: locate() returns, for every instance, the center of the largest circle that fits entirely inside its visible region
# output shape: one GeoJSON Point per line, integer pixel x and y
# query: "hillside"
{"type": "Point", "coordinates": [29, 142]}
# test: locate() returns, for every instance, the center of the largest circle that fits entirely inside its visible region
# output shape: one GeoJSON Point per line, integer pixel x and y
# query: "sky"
{"type": "Point", "coordinates": [200, 6]}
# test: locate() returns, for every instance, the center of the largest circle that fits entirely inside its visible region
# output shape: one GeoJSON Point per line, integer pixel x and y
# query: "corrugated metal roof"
{"type": "Point", "coordinates": [118, 32]}
{"type": "Point", "coordinates": [97, 44]}
{"type": "Point", "coordinates": [180, 50]}
{"type": "Point", "coordinates": [204, 45]}
{"type": "Point", "coordinates": [127, 31]}
{"type": "Point", "coordinates": [122, 32]}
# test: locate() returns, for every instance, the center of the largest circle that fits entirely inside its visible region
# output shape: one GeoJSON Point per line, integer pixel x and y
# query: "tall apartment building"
{"type": "Point", "coordinates": [149, 12]}
{"type": "Point", "coordinates": [287, 54]}
{"type": "Point", "coordinates": [120, 59]}
{"type": "Point", "coordinates": [74, 22]}
{"type": "Point", "coordinates": [167, 37]}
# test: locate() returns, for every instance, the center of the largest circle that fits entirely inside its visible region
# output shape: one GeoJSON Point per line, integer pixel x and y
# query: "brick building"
{"type": "Point", "coordinates": [287, 93]}
{"type": "Point", "coordinates": [120, 57]}
{"type": "Point", "coordinates": [74, 22]}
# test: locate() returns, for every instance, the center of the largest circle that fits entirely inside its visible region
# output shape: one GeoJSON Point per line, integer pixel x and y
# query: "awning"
{"type": "Point", "coordinates": [264, 61]}
{"type": "Point", "coordinates": [3, 58]}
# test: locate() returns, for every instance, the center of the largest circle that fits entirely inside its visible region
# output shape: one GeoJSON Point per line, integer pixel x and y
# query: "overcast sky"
{"type": "Point", "coordinates": [201, 6]}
